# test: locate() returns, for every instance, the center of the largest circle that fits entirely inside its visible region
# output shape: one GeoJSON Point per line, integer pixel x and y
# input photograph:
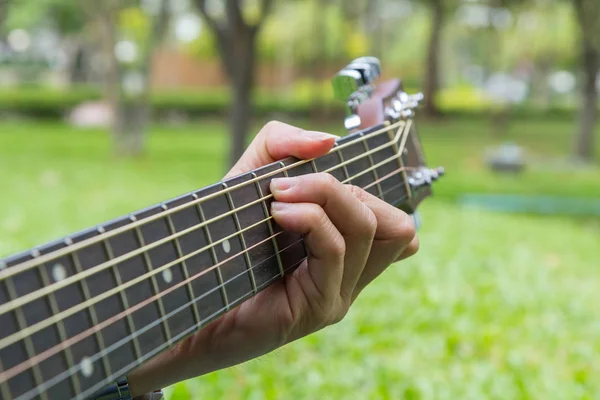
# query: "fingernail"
{"type": "Point", "coordinates": [322, 136]}
{"type": "Point", "coordinates": [277, 206]}
{"type": "Point", "coordinates": [282, 184]}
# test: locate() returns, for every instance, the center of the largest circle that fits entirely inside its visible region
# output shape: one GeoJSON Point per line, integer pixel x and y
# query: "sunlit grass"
{"type": "Point", "coordinates": [494, 306]}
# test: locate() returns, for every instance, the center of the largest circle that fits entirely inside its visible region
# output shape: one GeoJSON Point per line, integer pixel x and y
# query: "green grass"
{"type": "Point", "coordinates": [494, 306]}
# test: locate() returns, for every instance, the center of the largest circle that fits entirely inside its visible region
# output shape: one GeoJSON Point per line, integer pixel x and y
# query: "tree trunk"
{"type": "Point", "coordinates": [4, 4]}
{"type": "Point", "coordinates": [319, 56]}
{"type": "Point", "coordinates": [237, 48]}
{"type": "Point", "coordinates": [241, 113]}
{"type": "Point", "coordinates": [432, 73]}
{"type": "Point", "coordinates": [584, 140]}
{"type": "Point", "coordinates": [112, 82]}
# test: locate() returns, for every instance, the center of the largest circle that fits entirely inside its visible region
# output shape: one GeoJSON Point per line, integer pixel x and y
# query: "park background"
{"type": "Point", "coordinates": [109, 106]}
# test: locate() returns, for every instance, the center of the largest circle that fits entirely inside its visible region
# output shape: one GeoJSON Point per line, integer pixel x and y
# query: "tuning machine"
{"type": "Point", "coordinates": [403, 105]}
{"type": "Point", "coordinates": [425, 177]}
{"type": "Point", "coordinates": [354, 85]}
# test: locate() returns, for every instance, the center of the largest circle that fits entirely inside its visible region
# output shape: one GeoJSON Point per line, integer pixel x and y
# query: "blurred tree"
{"type": "Point", "coordinates": [130, 105]}
{"type": "Point", "coordinates": [64, 16]}
{"type": "Point", "coordinates": [236, 39]}
{"type": "Point", "coordinates": [588, 16]}
{"type": "Point", "coordinates": [439, 11]}
{"type": "Point", "coordinates": [4, 4]}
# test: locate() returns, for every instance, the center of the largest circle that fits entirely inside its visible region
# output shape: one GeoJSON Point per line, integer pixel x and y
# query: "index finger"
{"type": "Point", "coordinates": [277, 141]}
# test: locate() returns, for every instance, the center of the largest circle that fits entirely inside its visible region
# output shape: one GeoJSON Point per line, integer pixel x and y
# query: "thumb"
{"type": "Point", "coordinates": [277, 141]}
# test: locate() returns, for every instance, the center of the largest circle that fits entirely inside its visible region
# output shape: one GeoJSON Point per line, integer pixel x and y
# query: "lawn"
{"type": "Point", "coordinates": [494, 305]}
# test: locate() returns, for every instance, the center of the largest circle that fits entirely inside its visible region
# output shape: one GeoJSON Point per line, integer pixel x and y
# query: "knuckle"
{"type": "Point", "coordinates": [338, 245]}
{"type": "Point", "coordinates": [316, 215]}
{"type": "Point", "coordinates": [339, 312]}
{"type": "Point", "coordinates": [326, 181]}
{"type": "Point", "coordinates": [271, 126]}
{"type": "Point", "coordinates": [269, 130]}
{"type": "Point", "coordinates": [357, 191]}
{"type": "Point", "coordinates": [370, 222]}
{"type": "Point", "coordinates": [413, 248]}
{"type": "Point", "coordinates": [405, 230]}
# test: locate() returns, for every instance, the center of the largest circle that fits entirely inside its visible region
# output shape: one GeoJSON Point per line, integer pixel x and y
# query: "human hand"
{"type": "Point", "coordinates": [345, 255]}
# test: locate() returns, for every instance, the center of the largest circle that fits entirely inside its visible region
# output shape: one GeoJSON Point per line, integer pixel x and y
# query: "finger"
{"type": "Point", "coordinates": [277, 141]}
{"type": "Point", "coordinates": [411, 250]}
{"type": "Point", "coordinates": [326, 249]}
{"type": "Point", "coordinates": [351, 217]}
{"type": "Point", "coordinates": [395, 237]}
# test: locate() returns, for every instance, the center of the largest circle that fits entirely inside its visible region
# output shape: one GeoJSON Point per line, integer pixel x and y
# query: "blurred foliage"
{"type": "Point", "coordinates": [64, 15]}
{"type": "Point", "coordinates": [134, 24]}
{"type": "Point", "coordinates": [34, 101]}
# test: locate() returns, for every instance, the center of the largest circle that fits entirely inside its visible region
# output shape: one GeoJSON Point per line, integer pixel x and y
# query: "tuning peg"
{"type": "Point", "coordinates": [370, 70]}
{"type": "Point", "coordinates": [346, 83]}
{"type": "Point", "coordinates": [418, 98]}
{"type": "Point", "coordinates": [372, 61]}
{"type": "Point", "coordinates": [425, 177]}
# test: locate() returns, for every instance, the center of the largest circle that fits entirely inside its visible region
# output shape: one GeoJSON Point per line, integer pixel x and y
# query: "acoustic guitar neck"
{"type": "Point", "coordinates": [81, 312]}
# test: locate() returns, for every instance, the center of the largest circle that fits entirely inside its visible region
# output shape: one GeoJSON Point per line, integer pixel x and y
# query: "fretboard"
{"type": "Point", "coordinates": [81, 312]}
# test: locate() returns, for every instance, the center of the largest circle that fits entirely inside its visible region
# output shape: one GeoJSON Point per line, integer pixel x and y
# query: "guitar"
{"type": "Point", "coordinates": [78, 314]}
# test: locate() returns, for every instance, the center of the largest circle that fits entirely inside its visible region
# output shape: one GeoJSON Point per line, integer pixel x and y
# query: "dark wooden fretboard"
{"type": "Point", "coordinates": [196, 288]}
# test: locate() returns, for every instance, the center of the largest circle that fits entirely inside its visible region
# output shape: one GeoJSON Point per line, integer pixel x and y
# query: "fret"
{"type": "Point", "coordinates": [62, 332]}
{"type": "Point", "coordinates": [402, 153]}
{"type": "Point", "coordinates": [166, 257]}
{"type": "Point", "coordinates": [392, 183]}
{"type": "Point", "coordinates": [242, 239]}
{"type": "Point", "coordinates": [259, 250]}
{"type": "Point", "coordinates": [29, 347]}
{"type": "Point", "coordinates": [354, 149]}
{"type": "Point", "coordinates": [184, 267]}
{"type": "Point", "coordinates": [214, 257]}
{"type": "Point", "coordinates": [341, 157]}
{"type": "Point", "coordinates": [122, 295]}
{"type": "Point", "coordinates": [130, 269]}
{"type": "Point", "coordinates": [4, 389]}
{"type": "Point", "coordinates": [92, 308]}
{"type": "Point", "coordinates": [329, 162]}
{"type": "Point", "coordinates": [314, 167]}
{"type": "Point", "coordinates": [289, 246]}
{"type": "Point", "coordinates": [205, 299]}
{"type": "Point", "coordinates": [153, 281]}
{"type": "Point", "coordinates": [80, 293]}
{"type": "Point", "coordinates": [18, 353]}
{"type": "Point", "coordinates": [225, 234]}
{"type": "Point", "coordinates": [269, 222]}
{"type": "Point", "coordinates": [14, 354]}
{"type": "Point", "coordinates": [372, 165]}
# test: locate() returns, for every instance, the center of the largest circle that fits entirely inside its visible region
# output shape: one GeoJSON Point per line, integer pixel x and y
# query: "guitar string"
{"type": "Point", "coordinates": [74, 369]}
{"type": "Point", "coordinates": [82, 306]}
{"type": "Point", "coordinates": [133, 309]}
{"type": "Point", "coordinates": [41, 259]}
{"type": "Point", "coordinates": [66, 374]}
{"type": "Point", "coordinates": [187, 332]}
{"type": "Point", "coordinates": [13, 304]}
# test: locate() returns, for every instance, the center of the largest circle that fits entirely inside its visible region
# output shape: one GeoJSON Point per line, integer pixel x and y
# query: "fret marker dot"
{"type": "Point", "coordinates": [87, 367]}
{"type": "Point", "coordinates": [226, 246]}
{"type": "Point", "coordinates": [167, 275]}
{"type": "Point", "coordinates": [58, 272]}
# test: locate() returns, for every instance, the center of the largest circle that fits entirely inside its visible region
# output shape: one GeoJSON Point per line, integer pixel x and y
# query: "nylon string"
{"type": "Point", "coordinates": [17, 369]}
{"type": "Point", "coordinates": [103, 236]}
{"type": "Point", "coordinates": [91, 331]}
{"type": "Point", "coordinates": [11, 305]}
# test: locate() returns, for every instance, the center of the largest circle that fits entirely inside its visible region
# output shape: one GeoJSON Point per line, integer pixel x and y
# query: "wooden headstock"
{"type": "Point", "coordinates": [370, 105]}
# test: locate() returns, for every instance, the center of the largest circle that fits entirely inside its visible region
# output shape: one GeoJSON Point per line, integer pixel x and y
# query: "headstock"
{"type": "Point", "coordinates": [369, 104]}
